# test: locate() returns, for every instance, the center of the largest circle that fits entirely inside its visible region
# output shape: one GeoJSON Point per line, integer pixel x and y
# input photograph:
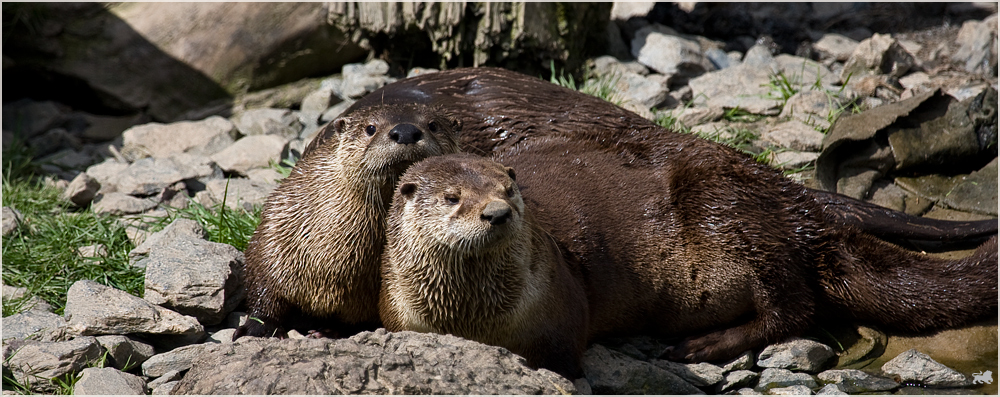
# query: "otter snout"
{"type": "Point", "coordinates": [496, 212]}
{"type": "Point", "coordinates": [405, 134]}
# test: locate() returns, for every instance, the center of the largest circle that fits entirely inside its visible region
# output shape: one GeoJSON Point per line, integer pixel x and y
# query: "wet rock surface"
{"type": "Point", "coordinates": [802, 106]}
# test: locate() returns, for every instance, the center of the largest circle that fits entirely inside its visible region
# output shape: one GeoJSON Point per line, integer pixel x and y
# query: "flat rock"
{"type": "Point", "coordinates": [36, 325]}
{"type": "Point", "coordinates": [796, 390]}
{"type": "Point", "coordinates": [914, 366]}
{"type": "Point", "coordinates": [976, 42]}
{"type": "Point", "coordinates": [700, 374]}
{"type": "Point", "coordinates": [334, 111]}
{"type": "Point", "coordinates": [643, 91]}
{"type": "Point", "coordinates": [611, 372]}
{"type": "Point", "coordinates": [974, 192]}
{"type": "Point", "coordinates": [736, 380]}
{"type": "Point", "coordinates": [812, 107]}
{"type": "Point", "coordinates": [203, 137]}
{"type": "Point", "coordinates": [743, 362]}
{"type": "Point", "coordinates": [170, 376]}
{"type": "Point", "coordinates": [36, 363]}
{"type": "Point", "coordinates": [367, 363]}
{"type": "Point", "coordinates": [165, 389]}
{"type": "Point", "coordinates": [792, 160]}
{"type": "Point", "coordinates": [831, 390]}
{"type": "Point", "coordinates": [149, 176]}
{"type": "Point", "coordinates": [269, 121]}
{"type": "Point", "coordinates": [778, 377]}
{"type": "Point", "coordinates": [856, 381]}
{"type": "Point", "coordinates": [255, 151]}
{"type": "Point", "coordinates": [108, 381]}
{"type": "Point", "coordinates": [179, 359]}
{"type": "Point", "coordinates": [794, 135]}
{"type": "Point", "coordinates": [180, 228]}
{"type": "Point", "coordinates": [106, 173]}
{"type": "Point", "coordinates": [19, 299]}
{"type": "Point", "coordinates": [237, 191]}
{"type": "Point", "coordinates": [117, 203]}
{"type": "Point", "coordinates": [95, 309]}
{"type": "Point", "coordinates": [11, 220]}
{"type": "Point", "coordinates": [744, 86]}
{"type": "Point", "coordinates": [796, 354]}
{"type": "Point", "coordinates": [125, 353]}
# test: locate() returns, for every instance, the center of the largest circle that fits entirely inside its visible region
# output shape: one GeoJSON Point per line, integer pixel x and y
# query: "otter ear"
{"type": "Point", "coordinates": [510, 172]}
{"type": "Point", "coordinates": [407, 189]}
{"type": "Point", "coordinates": [456, 124]}
{"type": "Point", "coordinates": [339, 125]}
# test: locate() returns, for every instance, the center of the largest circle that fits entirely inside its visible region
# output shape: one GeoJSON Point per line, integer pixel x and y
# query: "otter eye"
{"type": "Point", "coordinates": [370, 130]}
{"type": "Point", "coordinates": [433, 126]}
{"type": "Point", "coordinates": [451, 199]}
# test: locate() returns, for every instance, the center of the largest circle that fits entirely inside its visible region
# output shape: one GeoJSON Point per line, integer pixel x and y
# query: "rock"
{"type": "Point", "coordinates": [855, 381]}
{"type": "Point", "coordinates": [642, 91]}
{"type": "Point", "coordinates": [829, 390]}
{"type": "Point", "coordinates": [195, 277]}
{"type": "Point", "coordinates": [974, 192]}
{"type": "Point", "coordinates": [792, 160]}
{"type": "Point", "coordinates": [663, 50]}
{"type": "Point", "coordinates": [737, 379]}
{"type": "Point", "coordinates": [12, 219]}
{"type": "Point", "coordinates": [224, 335]}
{"type": "Point", "coordinates": [794, 135]}
{"type": "Point", "coordinates": [797, 390]}
{"type": "Point", "coordinates": [205, 137]}
{"type": "Point", "coordinates": [36, 363]}
{"type": "Point", "coordinates": [360, 79]}
{"type": "Point", "coordinates": [744, 86]}
{"type": "Point", "coordinates": [106, 173]}
{"type": "Point", "coordinates": [835, 46]}
{"type": "Point", "coordinates": [255, 151]}
{"type": "Point", "coordinates": [977, 46]}
{"type": "Point", "coordinates": [125, 353]}
{"type": "Point", "coordinates": [777, 377]}
{"type": "Point", "coordinates": [317, 102]}
{"type": "Point", "coordinates": [796, 354]}
{"type": "Point", "coordinates": [66, 159]}
{"type": "Point", "coordinates": [611, 372]}
{"type": "Point", "coordinates": [120, 203]}
{"type": "Point", "coordinates": [700, 375]}
{"type": "Point", "coordinates": [804, 74]}
{"type": "Point", "coordinates": [168, 377]}
{"type": "Point", "coordinates": [150, 176]}
{"type": "Point", "coordinates": [53, 140]}
{"type": "Point", "coordinates": [107, 128]}
{"type": "Point", "coordinates": [744, 362]}
{"type": "Point", "coordinates": [607, 65]}
{"type": "Point", "coordinates": [18, 298]}
{"type": "Point", "coordinates": [280, 122]}
{"type": "Point", "coordinates": [95, 309]}
{"type": "Point", "coordinates": [165, 389]}
{"type": "Point", "coordinates": [870, 343]}
{"type": "Point", "coordinates": [880, 54]}
{"type": "Point", "coordinates": [108, 381]}
{"type": "Point", "coordinates": [720, 59]}
{"type": "Point", "coordinates": [179, 359]}
{"type": "Point", "coordinates": [180, 228]}
{"type": "Point", "coordinates": [35, 325]}
{"type": "Point", "coordinates": [811, 107]}
{"type": "Point", "coordinates": [334, 111]}
{"type": "Point", "coordinates": [264, 176]}
{"type": "Point", "coordinates": [239, 191]}
{"type": "Point", "coordinates": [92, 251]}
{"type": "Point", "coordinates": [746, 391]}
{"type": "Point", "coordinates": [914, 366]}
{"type": "Point", "coordinates": [367, 363]}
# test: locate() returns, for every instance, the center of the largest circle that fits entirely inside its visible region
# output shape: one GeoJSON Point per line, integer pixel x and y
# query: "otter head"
{"type": "Point", "coordinates": [461, 201]}
{"type": "Point", "coordinates": [388, 138]}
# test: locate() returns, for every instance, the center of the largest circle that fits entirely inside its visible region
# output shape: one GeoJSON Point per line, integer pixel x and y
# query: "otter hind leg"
{"type": "Point", "coordinates": [261, 326]}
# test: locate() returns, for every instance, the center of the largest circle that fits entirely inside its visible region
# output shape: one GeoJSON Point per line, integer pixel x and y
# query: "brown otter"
{"type": "Point", "coordinates": [315, 253]}
{"type": "Point", "coordinates": [704, 243]}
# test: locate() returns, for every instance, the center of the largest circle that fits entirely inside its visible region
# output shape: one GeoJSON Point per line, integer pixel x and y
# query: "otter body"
{"type": "Point", "coordinates": [702, 243]}
{"type": "Point", "coordinates": [315, 254]}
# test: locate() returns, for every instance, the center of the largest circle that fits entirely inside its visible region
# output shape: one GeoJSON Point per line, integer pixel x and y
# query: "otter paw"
{"type": "Point", "coordinates": [322, 333]}
{"type": "Point", "coordinates": [696, 350]}
{"type": "Point", "coordinates": [260, 328]}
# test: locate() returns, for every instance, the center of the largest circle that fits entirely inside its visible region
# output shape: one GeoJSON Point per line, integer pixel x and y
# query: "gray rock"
{"type": "Point", "coordinates": [792, 160]}
{"type": "Point", "coordinates": [180, 228]}
{"type": "Point", "coordinates": [108, 381]}
{"type": "Point", "coordinates": [165, 389]}
{"type": "Point", "coordinates": [238, 192]}
{"type": "Point", "coordinates": [53, 140]}
{"type": "Point", "coordinates": [255, 151]}
{"type": "Point", "coordinates": [107, 128]}
{"type": "Point", "coordinates": [66, 159]}
{"type": "Point", "coordinates": [811, 107]}
{"type": "Point", "coordinates": [360, 79]}
{"type": "Point", "coordinates": [746, 391]}
{"type": "Point", "coordinates": [804, 73]}
{"type": "Point", "coordinates": [611, 372]}
{"type": "Point", "coordinates": [663, 50]}
{"type": "Point", "coordinates": [700, 375]}
{"type": "Point", "coordinates": [835, 46]}
{"type": "Point", "coordinates": [880, 54]}
{"type": "Point", "coordinates": [855, 381]}
{"type": "Point", "coordinates": [367, 363]}
{"type": "Point", "coordinates": [116, 203]}
{"type": "Point", "coordinates": [736, 380]}
{"type": "Point", "coordinates": [334, 111]}
{"type": "Point", "coordinates": [316, 103]}
{"type": "Point", "coordinates": [268, 121]}
{"type": "Point", "coordinates": [35, 325]}
{"type": "Point", "coordinates": [777, 377]}
{"type": "Point", "coordinates": [29, 118]}
{"type": "Point", "coordinates": [95, 309]}
{"type": "Point", "coordinates": [195, 277]}
{"type": "Point", "coordinates": [204, 137]}
{"type": "Point", "coordinates": [36, 363]}
{"type": "Point", "coordinates": [224, 335]}
{"type": "Point", "coordinates": [106, 173]}
{"type": "Point", "coordinates": [11, 220]}
{"type": "Point", "coordinates": [582, 386]}
{"type": "Point", "coordinates": [830, 390]}
{"type": "Point", "coordinates": [720, 59]}
{"type": "Point", "coordinates": [794, 135]}
{"type": "Point", "coordinates": [744, 86]}
{"type": "Point", "coordinates": [22, 302]}
{"type": "Point", "coordinates": [796, 354]}
{"type": "Point", "coordinates": [914, 366]}
{"type": "Point", "coordinates": [150, 176]}
{"type": "Point", "coordinates": [179, 359]}
{"type": "Point", "coordinates": [92, 251]}
{"type": "Point", "coordinates": [743, 362]}
{"type": "Point", "coordinates": [265, 176]}
{"type": "Point", "coordinates": [797, 390]}
{"type": "Point", "coordinates": [169, 376]}
{"type": "Point", "coordinates": [608, 65]}
{"type": "Point", "coordinates": [125, 353]}
{"type": "Point", "coordinates": [977, 45]}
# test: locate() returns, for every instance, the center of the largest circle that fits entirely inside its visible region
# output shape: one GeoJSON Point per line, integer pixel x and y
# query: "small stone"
{"type": "Point", "coordinates": [792, 160]}
{"type": "Point", "coordinates": [169, 376]}
{"type": "Point", "coordinates": [661, 49]}
{"type": "Point", "coordinates": [203, 137]}
{"type": "Point", "coordinates": [777, 377]}
{"type": "Point", "coordinates": [737, 379]}
{"type": "Point", "coordinates": [120, 204]}
{"type": "Point", "coordinates": [125, 353]}
{"type": "Point", "coordinates": [35, 325]}
{"type": "Point", "coordinates": [794, 135]}
{"type": "Point", "coordinates": [149, 176]}
{"type": "Point", "coordinates": [796, 354]}
{"type": "Point", "coordinates": [743, 362]}
{"type": "Point", "coordinates": [108, 381]}
{"type": "Point", "coordinates": [180, 228]}
{"type": "Point", "coordinates": [334, 111]}
{"type": "Point", "coordinates": [746, 391]}
{"type": "Point", "coordinates": [835, 46]}
{"type": "Point", "coordinates": [797, 390]}
{"type": "Point", "coordinates": [317, 102]}
{"type": "Point", "coordinates": [165, 389]}
{"type": "Point", "coordinates": [11, 220]}
{"type": "Point", "coordinates": [830, 390]}
{"type": "Point", "coordinates": [914, 366]}
{"type": "Point", "coordinates": [106, 173]}
{"type": "Point", "coordinates": [179, 359]}
{"type": "Point", "coordinates": [92, 251]}
{"type": "Point", "coordinates": [856, 381]}
{"type": "Point", "coordinates": [700, 375]}
{"type": "Point", "coordinates": [255, 151]}
{"type": "Point", "coordinates": [266, 176]}
{"type": "Point", "coordinates": [977, 45]}
{"type": "Point", "coordinates": [224, 335]}
{"type": "Point", "coordinates": [879, 54]}
{"type": "Point", "coordinates": [237, 192]}
{"type": "Point", "coordinates": [267, 121]}
{"type": "Point", "coordinates": [81, 190]}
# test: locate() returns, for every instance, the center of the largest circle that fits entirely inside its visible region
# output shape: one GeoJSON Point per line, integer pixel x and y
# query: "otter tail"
{"type": "Point", "coordinates": [908, 291]}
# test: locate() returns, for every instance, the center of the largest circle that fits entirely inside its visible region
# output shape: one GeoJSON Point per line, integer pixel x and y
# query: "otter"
{"type": "Point", "coordinates": [706, 245]}
{"type": "Point", "coordinates": [312, 262]}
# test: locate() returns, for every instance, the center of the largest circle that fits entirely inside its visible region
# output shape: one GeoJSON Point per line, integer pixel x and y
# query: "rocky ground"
{"type": "Point", "coordinates": [858, 112]}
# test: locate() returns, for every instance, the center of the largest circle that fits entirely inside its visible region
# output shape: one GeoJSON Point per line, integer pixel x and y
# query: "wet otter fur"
{"type": "Point", "coordinates": [313, 261]}
{"type": "Point", "coordinates": [705, 243]}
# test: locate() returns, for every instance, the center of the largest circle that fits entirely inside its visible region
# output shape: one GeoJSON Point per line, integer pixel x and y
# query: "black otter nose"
{"type": "Point", "coordinates": [496, 213]}
{"type": "Point", "coordinates": [405, 134]}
